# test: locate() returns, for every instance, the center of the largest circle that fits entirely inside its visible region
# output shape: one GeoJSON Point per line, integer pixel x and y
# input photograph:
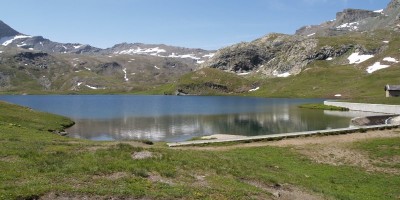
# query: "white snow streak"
{"type": "Point", "coordinates": [255, 89]}
{"type": "Point", "coordinates": [125, 76]}
{"type": "Point", "coordinates": [390, 59]}
{"type": "Point", "coordinates": [5, 41]}
{"type": "Point", "coordinates": [356, 58]}
{"type": "Point", "coordinates": [95, 88]}
{"type": "Point", "coordinates": [377, 66]}
{"type": "Point", "coordinates": [78, 46]}
{"type": "Point", "coordinates": [139, 50]}
{"type": "Point", "coordinates": [283, 75]}
{"type": "Point", "coordinates": [330, 58]}
{"type": "Point", "coordinates": [312, 34]}
{"type": "Point", "coordinates": [209, 55]}
{"type": "Point", "coordinates": [379, 11]}
{"type": "Point", "coordinates": [156, 67]}
{"type": "Point", "coordinates": [353, 26]}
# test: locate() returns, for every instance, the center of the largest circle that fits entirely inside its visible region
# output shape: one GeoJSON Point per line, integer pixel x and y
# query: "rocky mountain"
{"type": "Point", "coordinates": [33, 64]}
{"type": "Point", "coordinates": [279, 55]}
{"type": "Point", "coordinates": [7, 31]}
{"type": "Point", "coordinates": [10, 37]}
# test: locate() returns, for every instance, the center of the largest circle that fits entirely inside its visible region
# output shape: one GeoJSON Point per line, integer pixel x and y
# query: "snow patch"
{"type": "Point", "coordinates": [283, 75]}
{"type": "Point", "coordinates": [156, 67]}
{"type": "Point", "coordinates": [386, 42]}
{"type": "Point", "coordinates": [390, 59]}
{"type": "Point", "coordinates": [210, 55]}
{"type": "Point", "coordinates": [244, 73]}
{"type": "Point", "coordinates": [88, 68]}
{"type": "Point", "coordinates": [353, 26]}
{"type": "Point", "coordinates": [377, 66]}
{"type": "Point", "coordinates": [64, 47]}
{"type": "Point", "coordinates": [79, 83]}
{"type": "Point", "coordinates": [21, 45]}
{"type": "Point", "coordinates": [255, 89]}
{"type": "Point", "coordinates": [379, 11]}
{"type": "Point", "coordinates": [77, 46]}
{"type": "Point", "coordinates": [5, 41]}
{"type": "Point", "coordinates": [200, 61]}
{"type": "Point", "coordinates": [1, 51]}
{"type": "Point", "coordinates": [192, 56]}
{"type": "Point", "coordinates": [125, 76]}
{"type": "Point", "coordinates": [31, 49]}
{"type": "Point", "coordinates": [330, 58]}
{"type": "Point", "coordinates": [338, 95]}
{"type": "Point", "coordinates": [356, 58]}
{"type": "Point", "coordinates": [139, 50]}
{"type": "Point", "coordinates": [95, 88]}
{"type": "Point", "coordinates": [312, 34]}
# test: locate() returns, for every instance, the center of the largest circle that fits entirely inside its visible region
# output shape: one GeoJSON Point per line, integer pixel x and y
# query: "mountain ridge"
{"type": "Point", "coordinates": [277, 55]}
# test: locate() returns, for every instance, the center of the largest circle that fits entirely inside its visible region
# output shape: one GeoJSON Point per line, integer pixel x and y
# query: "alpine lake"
{"type": "Point", "coordinates": [180, 118]}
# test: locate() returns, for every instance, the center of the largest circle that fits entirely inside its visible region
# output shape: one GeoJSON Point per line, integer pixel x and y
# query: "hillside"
{"type": "Point", "coordinates": [320, 61]}
{"type": "Point", "coordinates": [33, 64]}
{"type": "Point", "coordinates": [279, 55]}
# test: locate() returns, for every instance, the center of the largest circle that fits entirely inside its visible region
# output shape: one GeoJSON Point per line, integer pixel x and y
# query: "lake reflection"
{"type": "Point", "coordinates": [172, 118]}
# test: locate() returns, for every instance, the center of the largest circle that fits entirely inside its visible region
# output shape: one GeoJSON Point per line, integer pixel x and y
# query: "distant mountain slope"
{"type": "Point", "coordinates": [37, 72]}
{"type": "Point", "coordinates": [33, 64]}
{"type": "Point", "coordinates": [7, 31]}
{"type": "Point", "coordinates": [11, 38]}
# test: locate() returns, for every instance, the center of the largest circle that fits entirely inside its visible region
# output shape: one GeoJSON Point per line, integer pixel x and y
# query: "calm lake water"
{"type": "Point", "coordinates": [179, 118]}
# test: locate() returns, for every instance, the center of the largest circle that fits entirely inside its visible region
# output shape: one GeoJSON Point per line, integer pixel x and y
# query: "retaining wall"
{"type": "Point", "coordinates": [377, 108]}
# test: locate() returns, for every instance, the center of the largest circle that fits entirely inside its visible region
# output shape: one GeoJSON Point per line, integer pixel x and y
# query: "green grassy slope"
{"type": "Point", "coordinates": [34, 162]}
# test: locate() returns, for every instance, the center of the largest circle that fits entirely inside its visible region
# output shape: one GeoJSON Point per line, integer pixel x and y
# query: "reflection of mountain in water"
{"type": "Point", "coordinates": [183, 127]}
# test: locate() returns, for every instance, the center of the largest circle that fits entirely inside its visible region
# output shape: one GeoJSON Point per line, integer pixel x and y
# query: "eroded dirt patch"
{"type": "Point", "coordinates": [142, 155]}
{"type": "Point", "coordinates": [285, 192]}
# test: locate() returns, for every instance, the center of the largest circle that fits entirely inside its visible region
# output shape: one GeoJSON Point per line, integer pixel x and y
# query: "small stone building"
{"type": "Point", "coordinates": [392, 90]}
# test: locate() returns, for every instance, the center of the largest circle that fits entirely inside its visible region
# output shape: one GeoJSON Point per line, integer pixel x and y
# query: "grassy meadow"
{"type": "Point", "coordinates": [35, 162]}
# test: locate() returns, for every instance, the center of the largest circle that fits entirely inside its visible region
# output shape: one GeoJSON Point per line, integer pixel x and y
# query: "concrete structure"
{"type": "Point", "coordinates": [376, 108]}
{"type": "Point", "coordinates": [284, 135]}
{"type": "Point", "coordinates": [392, 90]}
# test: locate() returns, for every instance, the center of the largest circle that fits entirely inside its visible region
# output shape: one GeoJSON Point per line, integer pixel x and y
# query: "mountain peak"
{"type": "Point", "coordinates": [6, 30]}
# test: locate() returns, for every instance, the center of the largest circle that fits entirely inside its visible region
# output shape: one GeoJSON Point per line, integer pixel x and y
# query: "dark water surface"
{"type": "Point", "coordinates": [179, 118]}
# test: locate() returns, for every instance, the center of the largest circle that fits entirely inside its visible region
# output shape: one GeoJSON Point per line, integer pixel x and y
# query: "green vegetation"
{"type": "Point", "coordinates": [35, 162]}
{"type": "Point", "coordinates": [321, 106]}
{"type": "Point", "coordinates": [207, 81]}
{"type": "Point", "coordinates": [385, 151]}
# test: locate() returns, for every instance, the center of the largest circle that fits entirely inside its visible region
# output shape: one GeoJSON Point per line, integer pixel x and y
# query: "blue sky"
{"type": "Point", "coordinates": [208, 24]}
